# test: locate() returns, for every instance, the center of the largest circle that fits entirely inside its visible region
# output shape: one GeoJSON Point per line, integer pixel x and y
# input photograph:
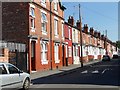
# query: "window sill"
{"type": "Point", "coordinates": [32, 16]}
{"type": "Point", "coordinates": [44, 62]}
{"type": "Point", "coordinates": [32, 29]}
{"type": "Point", "coordinates": [43, 4]}
{"type": "Point", "coordinates": [55, 11]}
{"type": "Point", "coordinates": [44, 33]}
{"type": "Point", "coordinates": [57, 36]}
{"type": "Point", "coordinates": [57, 61]}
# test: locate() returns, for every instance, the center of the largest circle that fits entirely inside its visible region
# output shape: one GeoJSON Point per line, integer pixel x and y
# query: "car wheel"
{"type": "Point", "coordinates": [26, 84]}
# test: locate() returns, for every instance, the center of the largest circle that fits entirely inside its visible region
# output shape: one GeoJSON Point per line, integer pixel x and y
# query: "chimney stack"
{"type": "Point", "coordinates": [85, 28]}
{"type": "Point", "coordinates": [102, 37]}
{"type": "Point", "coordinates": [99, 34]}
{"type": "Point", "coordinates": [71, 20]}
{"type": "Point", "coordinates": [96, 34]}
{"type": "Point", "coordinates": [91, 31]}
{"type": "Point", "coordinates": [78, 23]}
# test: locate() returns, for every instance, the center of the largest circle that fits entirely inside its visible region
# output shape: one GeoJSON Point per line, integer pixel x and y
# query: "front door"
{"type": "Point", "coordinates": [33, 56]}
{"type": "Point", "coordinates": [63, 55]}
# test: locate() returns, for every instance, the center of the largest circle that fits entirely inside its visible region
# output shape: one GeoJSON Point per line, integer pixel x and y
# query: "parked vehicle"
{"type": "Point", "coordinates": [115, 56]}
{"type": "Point", "coordinates": [12, 77]}
{"type": "Point", "coordinates": [106, 58]}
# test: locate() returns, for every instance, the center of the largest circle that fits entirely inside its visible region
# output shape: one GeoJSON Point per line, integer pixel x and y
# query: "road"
{"type": "Point", "coordinates": [98, 75]}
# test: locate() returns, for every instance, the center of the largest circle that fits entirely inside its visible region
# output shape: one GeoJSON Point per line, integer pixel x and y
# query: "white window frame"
{"type": "Point", "coordinates": [55, 5]}
{"type": "Point", "coordinates": [70, 51]}
{"type": "Point", "coordinates": [44, 52]}
{"type": "Point", "coordinates": [56, 27]}
{"type": "Point", "coordinates": [62, 30]}
{"type": "Point", "coordinates": [74, 35]}
{"type": "Point", "coordinates": [32, 12]}
{"type": "Point", "coordinates": [44, 22]}
{"type": "Point", "coordinates": [69, 33]}
{"type": "Point", "coordinates": [32, 24]}
{"type": "Point", "coordinates": [43, 3]}
{"type": "Point", "coordinates": [56, 53]}
{"type": "Point", "coordinates": [76, 50]}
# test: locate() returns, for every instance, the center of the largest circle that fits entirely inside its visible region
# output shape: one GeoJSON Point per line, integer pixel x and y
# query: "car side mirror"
{"type": "Point", "coordinates": [20, 71]}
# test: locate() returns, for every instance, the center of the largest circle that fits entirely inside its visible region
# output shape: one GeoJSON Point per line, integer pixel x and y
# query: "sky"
{"type": "Point", "coordinates": [101, 16]}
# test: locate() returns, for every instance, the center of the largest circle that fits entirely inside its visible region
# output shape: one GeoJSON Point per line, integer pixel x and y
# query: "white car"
{"type": "Point", "coordinates": [11, 77]}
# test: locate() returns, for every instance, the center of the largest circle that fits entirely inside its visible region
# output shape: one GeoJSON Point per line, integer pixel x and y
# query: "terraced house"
{"type": "Point", "coordinates": [94, 45]}
{"type": "Point", "coordinates": [39, 24]}
{"type": "Point", "coordinates": [50, 42]}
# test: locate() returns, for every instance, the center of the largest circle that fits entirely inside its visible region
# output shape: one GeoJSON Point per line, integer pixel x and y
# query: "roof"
{"type": "Point", "coordinates": [61, 6]}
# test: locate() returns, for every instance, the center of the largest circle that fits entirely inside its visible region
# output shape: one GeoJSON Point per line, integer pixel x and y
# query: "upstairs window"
{"type": "Point", "coordinates": [32, 19]}
{"type": "Point", "coordinates": [44, 22]}
{"type": "Point", "coordinates": [55, 6]}
{"type": "Point", "coordinates": [43, 1]}
{"type": "Point", "coordinates": [56, 27]}
{"type": "Point", "coordinates": [32, 11]}
{"type": "Point", "coordinates": [69, 33]}
{"type": "Point", "coordinates": [32, 23]}
{"type": "Point", "coordinates": [62, 30]}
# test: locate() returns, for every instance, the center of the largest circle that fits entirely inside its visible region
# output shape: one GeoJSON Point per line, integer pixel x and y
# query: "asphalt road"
{"type": "Point", "coordinates": [98, 75]}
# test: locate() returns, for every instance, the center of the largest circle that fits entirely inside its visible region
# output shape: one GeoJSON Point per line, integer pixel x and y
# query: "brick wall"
{"type": "Point", "coordinates": [15, 21]}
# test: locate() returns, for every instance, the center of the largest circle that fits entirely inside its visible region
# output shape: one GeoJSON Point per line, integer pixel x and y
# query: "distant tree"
{"type": "Point", "coordinates": [118, 44]}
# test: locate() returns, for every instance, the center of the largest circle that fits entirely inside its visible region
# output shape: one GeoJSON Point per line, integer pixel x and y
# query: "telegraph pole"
{"type": "Point", "coordinates": [50, 34]}
{"type": "Point", "coordinates": [81, 44]}
{"type": "Point", "coordinates": [106, 41]}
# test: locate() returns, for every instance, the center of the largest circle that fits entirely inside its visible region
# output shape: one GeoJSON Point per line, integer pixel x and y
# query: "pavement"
{"type": "Point", "coordinates": [60, 71]}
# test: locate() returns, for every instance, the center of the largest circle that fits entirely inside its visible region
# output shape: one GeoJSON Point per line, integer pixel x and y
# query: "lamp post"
{"type": "Point", "coordinates": [81, 58]}
{"type": "Point", "coordinates": [50, 34]}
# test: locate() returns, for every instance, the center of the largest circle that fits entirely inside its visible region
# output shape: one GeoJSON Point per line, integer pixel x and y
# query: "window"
{"type": "Point", "coordinates": [32, 11]}
{"type": "Point", "coordinates": [32, 23]}
{"type": "Point", "coordinates": [73, 35]}
{"type": "Point", "coordinates": [56, 27]}
{"type": "Point", "coordinates": [56, 53]}
{"type": "Point", "coordinates": [32, 20]}
{"type": "Point", "coordinates": [43, 1]}
{"type": "Point", "coordinates": [70, 51]}
{"type": "Point", "coordinates": [12, 69]}
{"type": "Point", "coordinates": [69, 33]}
{"type": "Point", "coordinates": [44, 22]}
{"type": "Point", "coordinates": [62, 30]}
{"type": "Point", "coordinates": [3, 70]}
{"type": "Point", "coordinates": [55, 6]}
{"type": "Point", "coordinates": [44, 52]}
{"type": "Point", "coordinates": [76, 50]}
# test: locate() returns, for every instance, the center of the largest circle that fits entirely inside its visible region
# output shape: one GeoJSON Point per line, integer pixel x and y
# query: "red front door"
{"type": "Point", "coordinates": [33, 66]}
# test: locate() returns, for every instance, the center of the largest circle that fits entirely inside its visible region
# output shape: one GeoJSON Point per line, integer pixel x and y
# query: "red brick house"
{"type": "Point", "coordinates": [29, 23]}
{"type": "Point", "coordinates": [68, 40]}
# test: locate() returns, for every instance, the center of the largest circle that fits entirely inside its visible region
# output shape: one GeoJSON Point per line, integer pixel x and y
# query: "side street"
{"type": "Point", "coordinates": [36, 37]}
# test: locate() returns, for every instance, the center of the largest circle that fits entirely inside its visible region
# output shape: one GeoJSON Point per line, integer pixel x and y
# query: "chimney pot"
{"type": "Point", "coordinates": [71, 20]}
{"type": "Point", "coordinates": [85, 28]}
